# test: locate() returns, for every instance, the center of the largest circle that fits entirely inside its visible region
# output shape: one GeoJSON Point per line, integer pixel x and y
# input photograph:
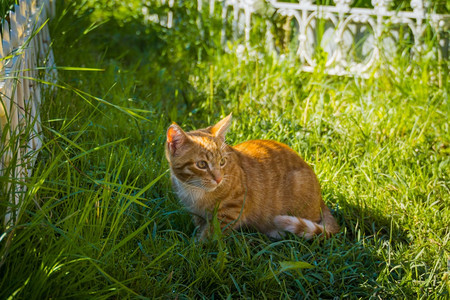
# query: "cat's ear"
{"type": "Point", "coordinates": [176, 137]}
{"type": "Point", "coordinates": [220, 129]}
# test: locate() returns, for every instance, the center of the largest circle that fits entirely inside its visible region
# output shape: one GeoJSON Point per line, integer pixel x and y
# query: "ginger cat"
{"type": "Point", "coordinates": [260, 184]}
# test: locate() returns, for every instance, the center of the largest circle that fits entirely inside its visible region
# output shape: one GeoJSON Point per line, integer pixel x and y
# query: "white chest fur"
{"type": "Point", "coordinates": [190, 196]}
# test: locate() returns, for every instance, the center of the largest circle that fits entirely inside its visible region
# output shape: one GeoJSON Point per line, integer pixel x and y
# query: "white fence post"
{"type": "Point", "coordinates": [20, 95]}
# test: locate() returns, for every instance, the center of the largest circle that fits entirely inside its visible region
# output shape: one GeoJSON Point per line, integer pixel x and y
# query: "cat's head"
{"type": "Point", "coordinates": [199, 158]}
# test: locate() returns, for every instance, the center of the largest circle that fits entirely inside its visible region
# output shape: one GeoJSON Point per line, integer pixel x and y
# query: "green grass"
{"type": "Point", "coordinates": [99, 218]}
{"type": "Point", "coordinates": [5, 6]}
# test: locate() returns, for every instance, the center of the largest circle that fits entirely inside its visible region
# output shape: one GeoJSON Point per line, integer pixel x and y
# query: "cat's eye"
{"type": "Point", "coordinates": [202, 164]}
{"type": "Point", "coordinates": [223, 161]}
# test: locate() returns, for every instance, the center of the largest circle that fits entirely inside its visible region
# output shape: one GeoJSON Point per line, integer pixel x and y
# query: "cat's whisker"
{"type": "Point", "coordinates": [227, 176]}
{"type": "Point", "coordinates": [223, 146]}
{"type": "Point", "coordinates": [195, 182]}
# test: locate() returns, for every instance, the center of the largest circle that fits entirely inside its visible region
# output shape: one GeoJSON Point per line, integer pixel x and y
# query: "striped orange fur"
{"type": "Point", "coordinates": [261, 184]}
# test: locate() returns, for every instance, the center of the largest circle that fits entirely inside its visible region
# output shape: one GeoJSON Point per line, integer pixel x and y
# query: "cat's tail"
{"type": "Point", "coordinates": [306, 228]}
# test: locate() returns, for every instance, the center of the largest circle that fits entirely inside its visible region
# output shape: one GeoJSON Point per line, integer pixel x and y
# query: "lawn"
{"type": "Point", "coordinates": [99, 218]}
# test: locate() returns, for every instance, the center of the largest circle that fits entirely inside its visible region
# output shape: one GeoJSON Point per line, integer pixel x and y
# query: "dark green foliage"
{"type": "Point", "coordinates": [5, 6]}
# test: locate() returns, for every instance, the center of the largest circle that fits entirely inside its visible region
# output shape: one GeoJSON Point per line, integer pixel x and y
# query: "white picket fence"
{"type": "Point", "coordinates": [25, 47]}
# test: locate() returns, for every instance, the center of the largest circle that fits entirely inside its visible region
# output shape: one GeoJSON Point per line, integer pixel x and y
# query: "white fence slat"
{"type": "Point", "coordinates": [6, 40]}
{"type": "Point", "coordinates": [1, 61]}
{"type": "Point", "coordinates": [20, 97]}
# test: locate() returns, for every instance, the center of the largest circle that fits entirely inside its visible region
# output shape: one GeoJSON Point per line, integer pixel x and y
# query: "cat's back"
{"type": "Point", "coordinates": [269, 152]}
{"type": "Point", "coordinates": [278, 182]}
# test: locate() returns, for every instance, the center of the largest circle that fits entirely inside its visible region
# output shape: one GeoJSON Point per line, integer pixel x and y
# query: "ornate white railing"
{"type": "Point", "coordinates": [351, 39]}
{"type": "Point", "coordinates": [25, 46]}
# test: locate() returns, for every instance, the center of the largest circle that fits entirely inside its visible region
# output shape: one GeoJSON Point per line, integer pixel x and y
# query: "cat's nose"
{"type": "Point", "coordinates": [218, 179]}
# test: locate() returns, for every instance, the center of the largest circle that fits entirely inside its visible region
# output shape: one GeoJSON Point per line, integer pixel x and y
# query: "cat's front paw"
{"type": "Point", "coordinates": [204, 234]}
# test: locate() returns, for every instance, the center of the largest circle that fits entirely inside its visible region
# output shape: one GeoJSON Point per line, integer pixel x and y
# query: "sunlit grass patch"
{"type": "Point", "coordinates": [99, 217]}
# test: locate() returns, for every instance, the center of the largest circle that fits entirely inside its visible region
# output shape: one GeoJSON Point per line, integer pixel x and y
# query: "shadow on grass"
{"type": "Point", "coordinates": [354, 263]}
